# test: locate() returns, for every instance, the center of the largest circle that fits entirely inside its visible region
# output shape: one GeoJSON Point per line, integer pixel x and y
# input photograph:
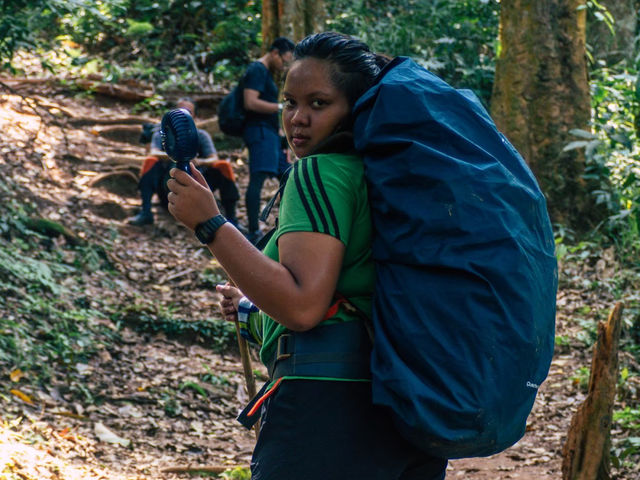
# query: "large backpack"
{"type": "Point", "coordinates": [464, 309]}
{"type": "Point", "coordinates": [231, 112]}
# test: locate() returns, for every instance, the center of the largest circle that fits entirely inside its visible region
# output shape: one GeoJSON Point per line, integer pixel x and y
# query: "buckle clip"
{"type": "Point", "coordinates": [282, 350]}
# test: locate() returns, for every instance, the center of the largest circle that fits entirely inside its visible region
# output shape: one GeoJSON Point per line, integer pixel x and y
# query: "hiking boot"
{"type": "Point", "coordinates": [143, 218]}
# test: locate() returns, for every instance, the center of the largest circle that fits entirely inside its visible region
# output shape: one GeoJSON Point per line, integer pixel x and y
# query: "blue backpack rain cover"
{"type": "Point", "coordinates": [464, 310]}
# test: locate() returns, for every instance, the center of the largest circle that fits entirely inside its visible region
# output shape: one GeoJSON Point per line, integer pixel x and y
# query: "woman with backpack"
{"type": "Point", "coordinates": [305, 297]}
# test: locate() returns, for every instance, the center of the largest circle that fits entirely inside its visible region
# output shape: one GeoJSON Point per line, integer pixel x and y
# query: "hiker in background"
{"type": "Point", "coordinates": [318, 419]}
{"type": "Point", "coordinates": [261, 127]}
{"type": "Point", "coordinates": [155, 171]}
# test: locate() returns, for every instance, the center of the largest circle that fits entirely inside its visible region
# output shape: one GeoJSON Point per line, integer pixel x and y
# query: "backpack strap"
{"type": "Point", "coordinates": [266, 211]}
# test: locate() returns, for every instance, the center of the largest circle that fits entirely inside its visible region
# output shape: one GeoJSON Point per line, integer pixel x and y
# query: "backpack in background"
{"type": "Point", "coordinates": [231, 112]}
{"type": "Point", "coordinates": [466, 275]}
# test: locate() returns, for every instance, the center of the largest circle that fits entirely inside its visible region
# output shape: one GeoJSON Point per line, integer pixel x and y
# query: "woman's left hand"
{"type": "Point", "coordinates": [230, 299]}
{"type": "Point", "coordinates": [190, 199]}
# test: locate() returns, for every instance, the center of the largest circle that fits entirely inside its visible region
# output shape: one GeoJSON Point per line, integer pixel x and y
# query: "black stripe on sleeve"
{"type": "Point", "coordinates": [303, 199]}
{"type": "Point", "coordinates": [312, 192]}
{"type": "Point", "coordinates": [325, 197]}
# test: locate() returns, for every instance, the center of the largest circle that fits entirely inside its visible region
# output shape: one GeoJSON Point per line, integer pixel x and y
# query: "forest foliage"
{"type": "Point", "coordinates": [167, 40]}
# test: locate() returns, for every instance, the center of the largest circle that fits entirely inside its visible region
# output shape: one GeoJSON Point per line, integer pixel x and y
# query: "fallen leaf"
{"type": "Point", "coordinates": [83, 368]}
{"type": "Point", "coordinates": [130, 411]}
{"type": "Point", "coordinates": [197, 426]}
{"type": "Point", "coordinates": [107, 436]}
{"type": "Point", "coordinates": [16, 375]}
{"type": "Point", "coordinates": [22, 396]}
{"type": "Point", "coordinates": [105, 356]}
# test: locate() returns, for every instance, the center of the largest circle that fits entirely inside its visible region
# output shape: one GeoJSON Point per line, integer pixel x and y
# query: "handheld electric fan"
{"type": "Point", "coordinates": [179, 137]}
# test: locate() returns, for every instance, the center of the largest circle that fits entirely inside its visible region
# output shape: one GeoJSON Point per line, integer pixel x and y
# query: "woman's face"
{"type": "Point", "coordinates": [313, 106]}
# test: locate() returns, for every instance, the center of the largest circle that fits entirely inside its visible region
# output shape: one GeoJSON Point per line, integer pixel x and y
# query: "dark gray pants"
{"type": "Point", "coordinates": [330, 430]}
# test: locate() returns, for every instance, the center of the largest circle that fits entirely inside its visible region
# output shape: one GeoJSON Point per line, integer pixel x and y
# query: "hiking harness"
{"type": "Point", "coordinates": [334, 351]}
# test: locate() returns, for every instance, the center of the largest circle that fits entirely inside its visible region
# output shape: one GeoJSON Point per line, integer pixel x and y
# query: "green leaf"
{"type": "Point", "coordinates": [624, 374]}
{"type": "Point", "coordinates": [575, 145]}
{"type": "Point", "coordinates": [577, 132]}
{"type": "Point", "coordinates": [194, 386]}
{"type": "Point", "coordinates": [633, 441]}
{"type": "Point", "coordinates": [630, 180]}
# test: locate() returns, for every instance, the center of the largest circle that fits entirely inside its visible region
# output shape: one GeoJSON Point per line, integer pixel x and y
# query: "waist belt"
{"type": "Point", "coordinates": [339, 350]}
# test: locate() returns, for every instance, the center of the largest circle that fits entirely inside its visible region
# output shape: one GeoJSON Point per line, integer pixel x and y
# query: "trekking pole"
{"type": "Point", "coordinates": [245, 357]}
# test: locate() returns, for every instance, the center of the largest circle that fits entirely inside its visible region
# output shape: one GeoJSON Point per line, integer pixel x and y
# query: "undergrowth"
{"type": "Point", "coordinates": [50, 318]}
{"type": "Point", "coordinates": [44, 324]}
{"type": "Point", "coordinates": [216, 334]}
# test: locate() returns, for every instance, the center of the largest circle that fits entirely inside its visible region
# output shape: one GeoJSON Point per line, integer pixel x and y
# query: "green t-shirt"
{"type": "Point", "coordinates": [327, 193]}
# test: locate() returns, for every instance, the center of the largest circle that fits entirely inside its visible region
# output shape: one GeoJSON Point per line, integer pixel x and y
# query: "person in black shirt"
{"type": "Point", "coordinates": [261, 127]}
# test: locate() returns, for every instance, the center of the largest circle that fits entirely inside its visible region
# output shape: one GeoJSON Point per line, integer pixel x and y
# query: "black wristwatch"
{"type": "Point", "coordinates": [206, 231]}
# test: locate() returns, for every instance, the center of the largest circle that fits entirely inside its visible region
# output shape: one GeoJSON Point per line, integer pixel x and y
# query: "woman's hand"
{"type": "Point", "coordinates": [190, 200]}
{"type": "Point", "coordinates": [230, 298]}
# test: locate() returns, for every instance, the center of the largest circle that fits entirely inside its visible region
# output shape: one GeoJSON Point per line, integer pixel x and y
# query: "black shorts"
{"type": "Point", "coordinates": [329, 430]}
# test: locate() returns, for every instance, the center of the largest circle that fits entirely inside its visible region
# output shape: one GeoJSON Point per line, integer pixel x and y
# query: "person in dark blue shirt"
{"type": "Point", "coordinates": [260, 134]}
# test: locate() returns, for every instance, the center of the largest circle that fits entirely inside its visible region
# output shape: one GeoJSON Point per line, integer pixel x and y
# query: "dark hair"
{"type": "Point", "coordinates": [282, 44]}
{"type": "Point", "coordinates": [354, 67]}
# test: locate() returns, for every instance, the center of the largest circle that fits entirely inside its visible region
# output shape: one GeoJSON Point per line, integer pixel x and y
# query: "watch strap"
{"type": "Point", "coordinates": [206, 231]}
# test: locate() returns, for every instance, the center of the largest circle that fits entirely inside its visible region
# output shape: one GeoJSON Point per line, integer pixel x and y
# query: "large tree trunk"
{"type": "Point", "coordinates": [302, 17]}
{"type": "Point", "coordinates": [541, 92]}
{"type": "Point", "coordinates": [294, 19]}
{"type": "Point", "coordinates": [270, 23]}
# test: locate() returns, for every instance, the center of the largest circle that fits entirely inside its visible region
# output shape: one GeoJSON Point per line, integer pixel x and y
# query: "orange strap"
{"type": "Point", "coordinates": [261, 400]}
{"type": "Point", "coordinates": [333, 309]}
{"type": "Point", "coordinates": [149, 162]}
{"type": "Point", "coordinates": [225, 168]}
